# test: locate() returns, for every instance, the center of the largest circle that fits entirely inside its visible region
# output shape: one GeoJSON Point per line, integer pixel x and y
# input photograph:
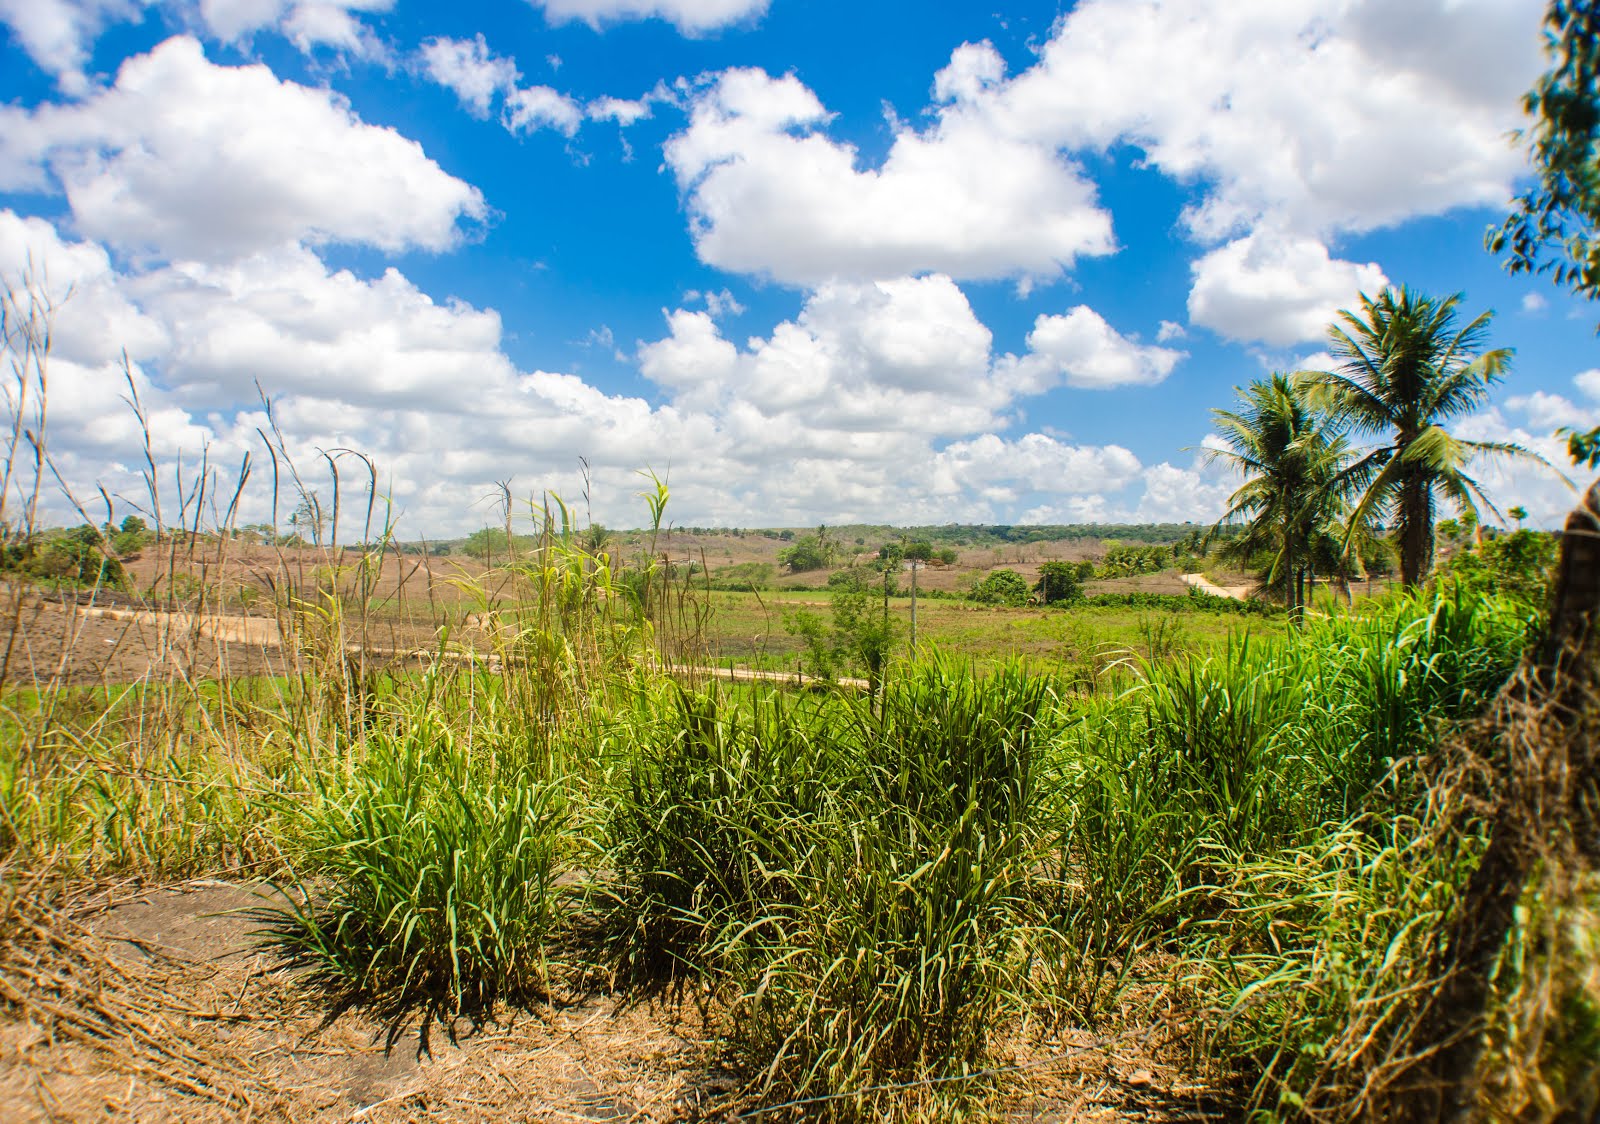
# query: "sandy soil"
{"type": "Point", "coordinates": [84, 645]}
{"type": "Point", "coordinates": [1205, 585]}
{"type": "Point", "coordinates": [155, 1004]}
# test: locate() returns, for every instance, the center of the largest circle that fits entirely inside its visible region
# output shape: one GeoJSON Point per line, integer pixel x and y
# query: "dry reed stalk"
{"type": "Point", "coordinates": [59, 976]}
{"type": "Point", "coordinates": [1529, 772]}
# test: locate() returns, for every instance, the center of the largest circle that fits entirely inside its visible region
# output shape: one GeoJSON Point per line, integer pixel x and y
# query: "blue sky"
{"type": "Point", "coordinates": [905, 262]}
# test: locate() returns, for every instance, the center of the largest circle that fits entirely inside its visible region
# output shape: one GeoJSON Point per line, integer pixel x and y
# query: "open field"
{"type": "Point", "coordinates": [391, 843]}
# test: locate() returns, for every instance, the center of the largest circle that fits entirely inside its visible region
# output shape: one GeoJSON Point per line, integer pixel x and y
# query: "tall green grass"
{"type": "Point", "coordinates": [428, 873]}
{"type": "Point", "coordinates": [859, 884]}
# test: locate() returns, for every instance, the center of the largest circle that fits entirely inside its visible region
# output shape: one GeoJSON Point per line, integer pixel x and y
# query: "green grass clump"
{"type": "Point", "coordinates": [861, 883]}
{"type": "Point", "coordinates": [1319, 962]}
{"type": "Point", "coordinates": [430, 874]}
{"type": "Point", "coordinates": [700, 836]}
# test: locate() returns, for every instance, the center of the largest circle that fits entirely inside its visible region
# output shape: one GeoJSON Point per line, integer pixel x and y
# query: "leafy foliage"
{"type": "Point", "coordinates": [1408, 369]}
{"type": "Point", "coordinates": [806, 553]}
{"type": "Point", "coordinates": [1002, 587]}
{"type": "Point", "coordinates": [1296, 472]}
{"type": "Point", "coordinates": [1192, 602]}
{"type": "Point", "coordinates": [1519, 565]}
{"type": "Point", "coordinates": [1123, 560]}
{"type": "Point", "coordinates": [81, 556]}
{"type": "Point", "coordinates": [1059, 583]}
{"type": "Point", "coordinates": [1552, 227]}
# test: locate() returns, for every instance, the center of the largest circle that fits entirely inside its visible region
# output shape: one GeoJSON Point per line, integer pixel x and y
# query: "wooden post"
{"type": "Point", "coordinates": [913, 608]}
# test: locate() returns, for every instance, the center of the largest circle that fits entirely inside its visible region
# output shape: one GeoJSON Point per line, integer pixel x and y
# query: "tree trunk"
{"type": "Point", "coordinates": [1546, 808]}
{"type": "Point", "coordinates": [1416, 529]}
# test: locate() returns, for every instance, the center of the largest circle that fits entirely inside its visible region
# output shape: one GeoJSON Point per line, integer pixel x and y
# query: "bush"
{"type": "Point", "coordinates": [1191, 602]}
{"type": "Point", "coordinates": [1517, 565]}
{"type": "Point", "coordinates": [1003, 587]}
{"type": "Point", "coordinates": [1129, 561]}
{"type": "Point", "coordinates": [858, 578]}
{"type": "Point", "coordinates": [77, 557]}
{"type": "Point", "coordinates": [743, 576]}
{"type": "Point", "coordinates": [1059, 583]}
{"type": "Point", "coordinates": [807, 553]}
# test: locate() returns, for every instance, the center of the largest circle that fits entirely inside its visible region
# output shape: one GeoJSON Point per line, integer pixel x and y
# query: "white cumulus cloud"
{"type": "Point", "coordinates": [469, 68]}
{"type": "Point", "coordinates": [308, 24]}
{"type": "Point", "coordinates": [1276, 288]}
{"type": "Point", "coordinates": [57, 34]}
{"type": "Point", "coordinates": [691, 17]}
{"type": "Point", "coordinates": [1085, 351]}
{"type": "Point", "coordinates": [770, 193]}
{"type": "Point", "coordinates": [184, 158]}
{"type": "Point", "coordinates": [1320, 114]}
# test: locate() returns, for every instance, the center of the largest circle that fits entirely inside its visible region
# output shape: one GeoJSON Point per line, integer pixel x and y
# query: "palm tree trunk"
{"type": "Point", "coordinates": [1416, 529]}
{"type": "Point", "coordinates": [1290, 572]}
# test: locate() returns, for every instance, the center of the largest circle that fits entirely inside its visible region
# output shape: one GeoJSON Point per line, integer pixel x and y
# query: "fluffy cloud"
{"type": "Point", "coordinates": [1084, 351]}
{"type": "Point", "coordinates": [1313, 117]}
{"type": "Point", "coordinates": [1588, 382]}
{"type": "Point", "coordinates": [1182, 495]}
{"type": "Point", "coordinates": [1296, 120]}
{"type": "Point", "coordinates": [96, 321]}
{"type": "Point", "coordinates": [185, 159]}
{"type": "Point", "coordinates": [1543, 491]}
{"type": "Point", "coordinates": [624, 111]}
{"type": "Point", "coordinates": [540, 107]}
{"type": "Point", "coordinates": [468, 67]}
{"type": "Point", "coordinates": [285, 320]}
{"type": "Point", "coordinates": [1548, 412]}
{"type": "Point", "coordinates": [1276, 288]}
{"type": "Point", "coordinates": [878, 401]}
{"type": "Point", "coordinates": [306, 23]}
{"type": "Point", "coordinates": [1321, 114]}
{"type": "Point", "coordinates": [479, 77]}
{"type": "Point", "coordinates": [1035, 462]}
{"type": "Point", "coordinates": [691, 17]}
{"type": "Point", "coordinates": [770, 193]}
{"type": "Point", "coordinates": [57, 33]}
{"type": "Point", "coordinates": [905, 356]}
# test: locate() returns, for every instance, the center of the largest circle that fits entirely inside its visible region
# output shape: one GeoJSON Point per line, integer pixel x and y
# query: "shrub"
{"type": "Point", "coordinates": [1191, 602]}
{"type": "Point", "coordinates": [1003, 587]}
{"type": "Point", "coordinates": [1127, 561]}
{"type": "Point", "coordinates": [75, 557]}
{"type": "Point", "coordinates": [1517, 565]}
{"type": "Point", "coordinates": [743, 576]}
{"type": "Point", "coordinates": [808, 553]}
{"type": "Point", "coordinates": [1059, 583]}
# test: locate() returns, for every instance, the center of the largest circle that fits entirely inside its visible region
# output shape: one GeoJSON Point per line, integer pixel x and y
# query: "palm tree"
{"type": "Point", "coordinates": [1296, 471]}
{"type": "Point", "coordinates": [1407, 369]}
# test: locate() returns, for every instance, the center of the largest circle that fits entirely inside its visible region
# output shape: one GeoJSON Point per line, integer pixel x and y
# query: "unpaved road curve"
{"type": "Point", "coordinates": [1200, 582]}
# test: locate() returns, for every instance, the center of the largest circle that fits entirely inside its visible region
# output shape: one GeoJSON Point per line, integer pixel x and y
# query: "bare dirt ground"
{"type": "Point", "coordinates": [1206, 585]}
{"type": "Point", "coordinates": [155, 1004]}
{"type": "Point", "coordinates": [110, 640]}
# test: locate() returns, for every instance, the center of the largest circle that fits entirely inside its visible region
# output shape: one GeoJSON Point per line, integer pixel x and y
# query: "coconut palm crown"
{"type": "Point", "coordinates": [1295, 468]}
{"type": "Point", "coordinates": [1407, 369]}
